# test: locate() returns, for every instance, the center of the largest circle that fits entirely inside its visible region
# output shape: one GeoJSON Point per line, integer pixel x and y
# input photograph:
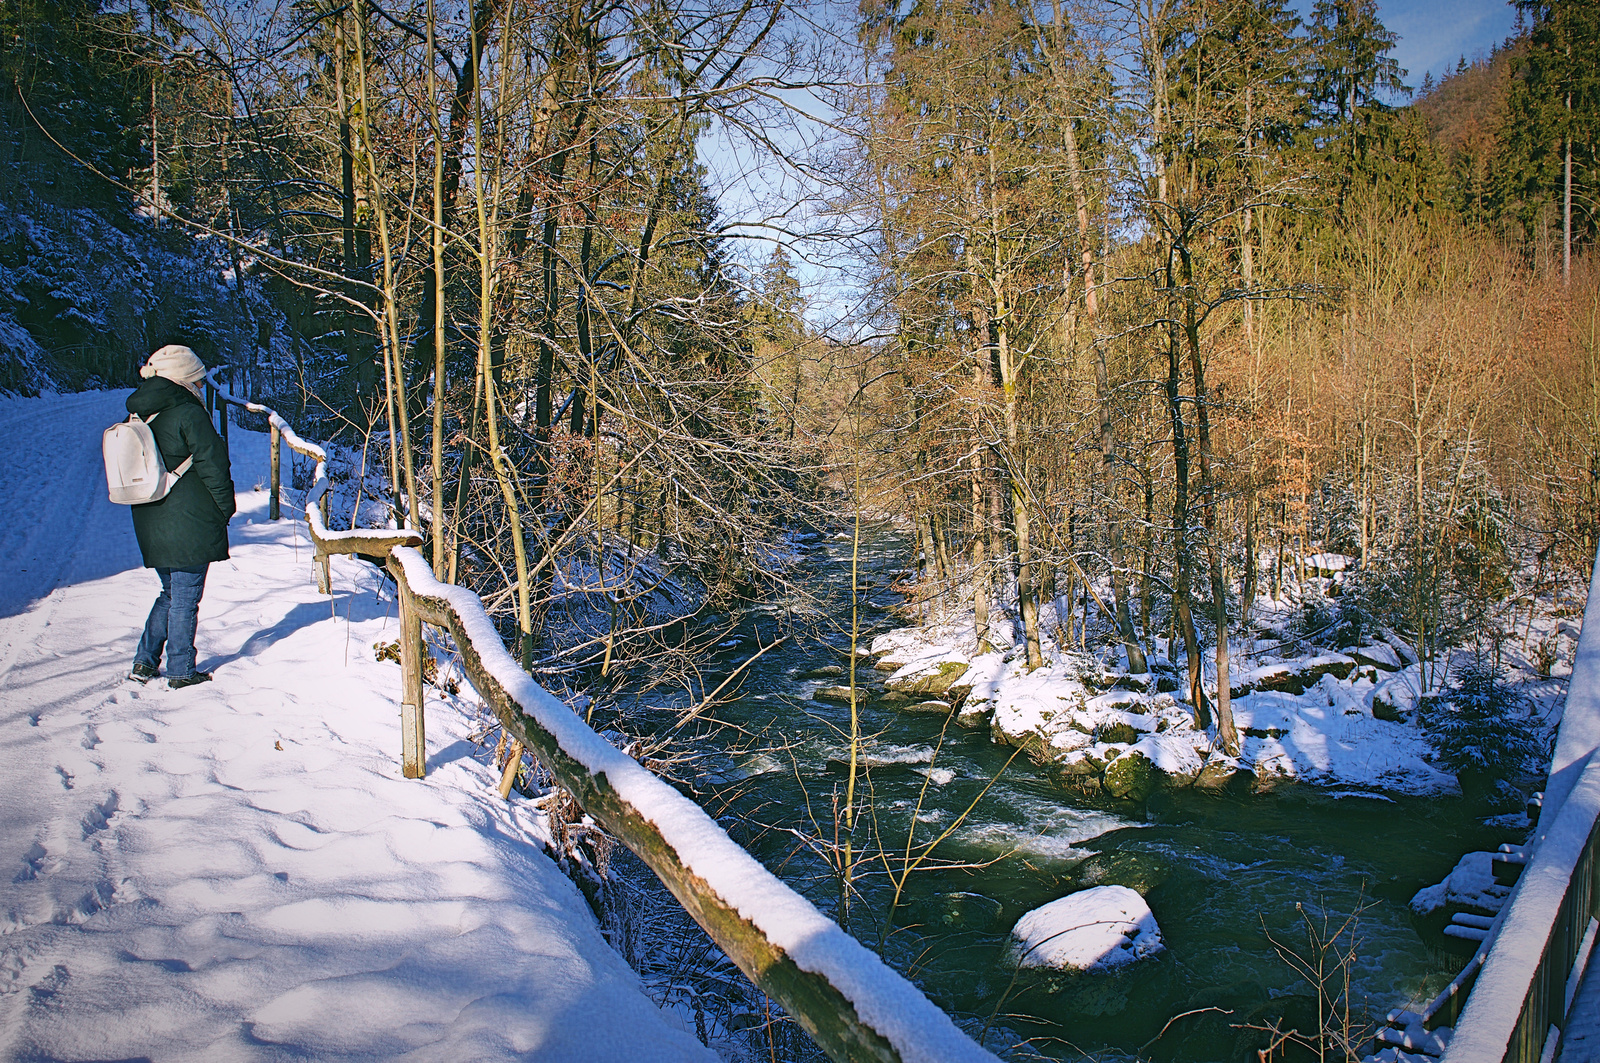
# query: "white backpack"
{"type": "Point", "coordinates": [135, 471]}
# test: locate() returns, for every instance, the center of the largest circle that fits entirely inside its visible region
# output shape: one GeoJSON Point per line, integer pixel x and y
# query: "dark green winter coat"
{"type": "Point", "coordinates": [190, 526]}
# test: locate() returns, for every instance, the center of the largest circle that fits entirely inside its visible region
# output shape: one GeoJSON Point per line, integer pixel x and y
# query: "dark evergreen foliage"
{"type": "Point", "coordinates": [69, 77]}
{"type": "Point", "coordinates": [1484, 731]}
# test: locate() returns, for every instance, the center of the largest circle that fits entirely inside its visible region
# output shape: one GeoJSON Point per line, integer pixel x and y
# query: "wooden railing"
{"type": "Point", "coordinates": [1531, 963]}
{"type": "Point", "coordinates": [843, 994]}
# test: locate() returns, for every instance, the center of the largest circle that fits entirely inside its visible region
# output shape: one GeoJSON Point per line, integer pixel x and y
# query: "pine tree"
{"type": "Point", "coordinates": [1485, 731]}
{"type": "Point", "coordinates": [1553, 122]}
{"type": "Point", "coordinates": [1352, 66]}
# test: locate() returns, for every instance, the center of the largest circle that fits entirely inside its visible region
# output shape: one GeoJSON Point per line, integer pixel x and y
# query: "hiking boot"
{"type": "Point", "coordinates": [143, 673]}
{"type": "Point", "coordinates": [189, 680]}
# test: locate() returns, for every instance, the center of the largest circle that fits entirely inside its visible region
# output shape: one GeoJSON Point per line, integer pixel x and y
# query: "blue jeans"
{"type": "Point", "coordinates": [172, 621]}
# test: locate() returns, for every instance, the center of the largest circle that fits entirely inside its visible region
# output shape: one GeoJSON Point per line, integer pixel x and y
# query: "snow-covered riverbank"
{"type": "Point", "coordinates": [1344, 720]}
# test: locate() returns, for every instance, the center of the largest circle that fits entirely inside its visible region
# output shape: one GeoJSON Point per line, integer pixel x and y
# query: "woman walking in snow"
{"type": "Point", "coordinates": [181, 534]}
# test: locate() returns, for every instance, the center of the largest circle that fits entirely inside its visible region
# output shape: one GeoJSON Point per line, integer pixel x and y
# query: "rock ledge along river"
{"type": "Point", "coordinates": [1220, 871]}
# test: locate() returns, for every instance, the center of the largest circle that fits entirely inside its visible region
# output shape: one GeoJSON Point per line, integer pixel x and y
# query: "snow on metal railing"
{"type": "Point", "coordinates": [1523, 994]}
{"type": "Point", "coordinates": [852, 1003]}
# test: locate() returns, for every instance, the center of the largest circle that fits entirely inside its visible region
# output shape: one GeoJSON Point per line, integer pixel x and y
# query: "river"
{"type": "Point", "coordinates": [1220, 872]}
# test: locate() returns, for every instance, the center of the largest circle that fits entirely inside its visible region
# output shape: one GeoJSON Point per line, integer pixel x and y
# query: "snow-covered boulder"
{"type": "Point", "coordinates": [895, 649]}
{"type": "Point", "coordinates": [1291, 677]}
{"type": "Point", "coordinates": [935, 675]}
{"type": "Point", "coordinates": [1379, 655]}
{"type": "Point", "coordinates": [1470, 885]}
{"type": "Point", "coordinates": [1327, 565]}
{"type": "Point", "coordinates": [1095, 930]}
{"type": "Point", "coordinates": [1396, 697]}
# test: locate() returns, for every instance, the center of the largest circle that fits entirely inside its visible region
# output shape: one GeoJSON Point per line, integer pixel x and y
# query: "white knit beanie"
{"type": "Point", "coordinates": [175, 362]}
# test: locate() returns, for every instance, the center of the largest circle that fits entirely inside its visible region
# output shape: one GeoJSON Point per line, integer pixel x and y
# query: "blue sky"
{"type": "Point", "coordinates": [1435, 34]}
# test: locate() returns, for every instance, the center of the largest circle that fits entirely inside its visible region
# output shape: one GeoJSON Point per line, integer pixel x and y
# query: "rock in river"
{"type": "Point", "coordinates": [1133, 775]}
{"type": "Point", "coordinates": [1096, 930]}
{"type": "Point", "coordinates": [936, 679]}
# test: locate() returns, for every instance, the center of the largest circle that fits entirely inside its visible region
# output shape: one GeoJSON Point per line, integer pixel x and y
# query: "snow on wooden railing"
{"type": "Point", "coordinates": [846, 997]}
{"type": "Point", "coordinates": [1532, 964]}
{"type": "Point", "coordinates": [371, 542]}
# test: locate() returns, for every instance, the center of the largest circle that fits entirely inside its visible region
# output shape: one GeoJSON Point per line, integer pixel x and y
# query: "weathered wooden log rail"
{"type": "Point", "coordinates": [843, 994]}
{"type": "Point", "coordinates": [1529, 968]}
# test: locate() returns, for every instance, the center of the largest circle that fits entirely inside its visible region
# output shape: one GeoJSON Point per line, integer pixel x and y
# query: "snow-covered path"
{"type": "Point", "coordinates": [236, 871]}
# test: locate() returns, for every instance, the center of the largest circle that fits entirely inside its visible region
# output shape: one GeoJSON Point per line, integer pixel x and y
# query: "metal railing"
{"type": "Point", "coordinates": [843, 994]}
{"type": "Point", "coordinates": [1529, 968]}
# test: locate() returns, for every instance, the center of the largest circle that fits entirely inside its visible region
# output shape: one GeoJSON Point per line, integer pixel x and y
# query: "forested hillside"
{"type": "Point", "coordinates": [1178, 300]}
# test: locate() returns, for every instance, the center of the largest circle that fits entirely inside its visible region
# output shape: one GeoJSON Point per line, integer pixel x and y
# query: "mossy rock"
{"type": "Point", "coordinates": [975, 714]}
{"type": "Point", "coordinates": [1383, 710]}
{"type": "Point", "coordinates": [827, 671]}
{"type": "Point", "coordinates": [940, 708]}
{"type": "Point", "coordinates": [1081, 766]}
{"type": "Point", "coordinates": [1098, 681]}
{"type": "Point", "coordinates": [1270, 781]}
{"type": "Point", "coordinates": [1139, 871]}
{"type": "Point", "coordinates": [1125, 733]}
{"type": "Point", "coordinates": [839, 695]}
{"type": "Point", "coordinates": [938, 683]}
{"type": "Point", "coordinates": [1216, 774]}
{"type": "Point", "coordinates": [1030, 742]}
{"type": "Point", "coordinates": [1087, 785]}
{"type": "Point", "coordinates": [1133, 776]}
{"type": "Point", "coordinates": [1296, 679]}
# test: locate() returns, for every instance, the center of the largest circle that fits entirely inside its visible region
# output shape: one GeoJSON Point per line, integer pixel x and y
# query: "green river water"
{"type": "Point", "coordinates": [1220, 872]}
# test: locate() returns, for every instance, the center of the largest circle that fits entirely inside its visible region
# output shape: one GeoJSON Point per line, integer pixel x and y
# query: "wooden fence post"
{"type": "Point", "coordinates": [211, 396]}
{"type": "Point", "coordinates": [508, 777]}
{"type": "Point", "coordinates": [272, 500]}
{"type": "Point", "coordinates": [324, 577]}
{"type": "Point", "coordinates": [222, 418]}
{"type": "Point", "coordinates": [413, 737]}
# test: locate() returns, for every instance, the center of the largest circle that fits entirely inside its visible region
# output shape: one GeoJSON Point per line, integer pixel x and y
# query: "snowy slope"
{"type": "Point", "coordinates": [236, 871]}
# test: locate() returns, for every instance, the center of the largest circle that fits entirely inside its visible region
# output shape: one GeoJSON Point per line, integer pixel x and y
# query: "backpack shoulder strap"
{"type": "Point", "coordinates": [183, 466]}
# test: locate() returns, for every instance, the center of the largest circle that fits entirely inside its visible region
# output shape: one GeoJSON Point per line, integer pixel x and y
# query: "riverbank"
{"type": "Point", "coordinates": [1342, 719]}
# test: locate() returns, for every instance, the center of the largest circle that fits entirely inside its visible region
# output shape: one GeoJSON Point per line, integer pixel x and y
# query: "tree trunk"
{"type": "Point", "coordinates": [428, 345]}
{"type": "Point", "coordinates": [1103, 398]}
{"type": "Point", "coordinates": [357, 361]}
{"type": "Point", "coordinates": [980, 563]}
{"type": "Point", "coordinates": [435, 295]}
{"type": "Point", "coordinates": [1212, 503]}
{"type": "Point", "coordinates": [1180, 523]}
{"type": "Point", "coordinates": [1566, 205]}
{"type": "Point", "coordinates": [1016, 478]}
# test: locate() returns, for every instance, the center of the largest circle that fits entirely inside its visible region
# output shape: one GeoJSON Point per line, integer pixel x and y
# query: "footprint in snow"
{"type": "Point", "coordinates": [37, 861]}
{"type": "Point", "coordinates": [96, 819]}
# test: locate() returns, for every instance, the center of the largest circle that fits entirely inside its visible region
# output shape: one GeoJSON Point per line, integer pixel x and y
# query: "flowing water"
{"type": "Point", "coordinates": [1223, 874]}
